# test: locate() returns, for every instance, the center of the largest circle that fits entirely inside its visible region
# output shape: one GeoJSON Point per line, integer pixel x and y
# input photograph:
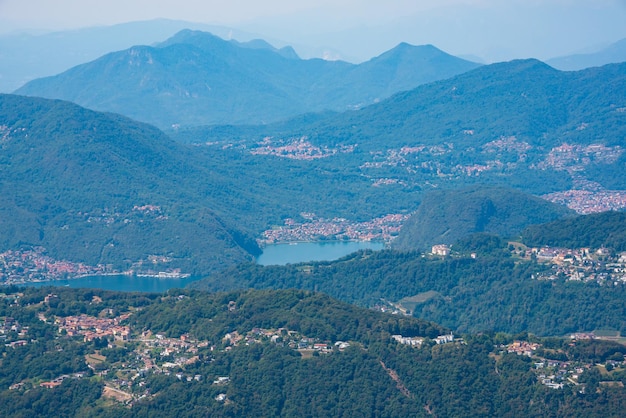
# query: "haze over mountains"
{"type": "Point", "coordinates": [502, 123]}
{"type": "Point", "coordinates": [613, 53]}
{"type": "Point", "coordinates": [523, 98]}
{"type": "Point", "coordinates": [521, 125]}
{"type": "Point", "coordinates": [498, 190]}
{"type": "Point", "coordinates": [489, 30]}
{"type": "Point", "coordinates": [196, 78]}
{"type": "Point", "coordinates": [26, 56]}
{"type": "Point", "coordinates": [29, 54]}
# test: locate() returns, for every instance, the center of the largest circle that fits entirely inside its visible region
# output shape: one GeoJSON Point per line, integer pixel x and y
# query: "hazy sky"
{"type": "Point", "coordinates": [77, 13]}
{"type": "Point", "coordinates": [492, 29]}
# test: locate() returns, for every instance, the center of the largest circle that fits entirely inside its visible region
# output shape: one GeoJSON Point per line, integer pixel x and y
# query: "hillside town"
{"type": "Point", "coordinates": [146, 352]}
{"type": "Point", "coordinates": [601, 266]}
{"type": "Point", "coordinates": [584, 197]}
{"type": "Point", "coordinates": [556, 374]}
{"type": "Point", "coordinates": [297, 149]}
{"type": "Point", "coordinates": [589, 201]}
{"type": "Point", "coordinates": [34, 265]}
{"type": "Point", "coordinates": [124, 358]}
{"type": "Point", "coordinates": [314, 228]}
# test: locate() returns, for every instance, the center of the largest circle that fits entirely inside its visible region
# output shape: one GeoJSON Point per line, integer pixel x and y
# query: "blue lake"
{"type": "Point", "coordinates": [281, 254]}
{"type": "Point", "coordinates": [276, 254]}
{"type": "Point", "coordinates": [122, 283]}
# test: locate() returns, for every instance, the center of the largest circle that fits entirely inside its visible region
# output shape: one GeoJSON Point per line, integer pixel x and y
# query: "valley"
{"type": "Point", "coordinates": [486, 204]}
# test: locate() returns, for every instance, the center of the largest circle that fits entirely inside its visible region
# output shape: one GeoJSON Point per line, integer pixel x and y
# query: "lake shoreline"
{"type": "Point", "coordinates": [262, 243]}
{"type": "Point", "coordinates": [313, 251]}
{"type": "Point", "coordinates": [273, 254]}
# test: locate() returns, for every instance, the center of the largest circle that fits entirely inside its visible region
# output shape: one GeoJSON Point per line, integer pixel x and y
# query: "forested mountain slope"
{"type": "Point", "coordinates": [526, 99]}
{"type": "Point", "coordinates": [607, 229]}
{"type": "Point", "coordinates": [195, 78]}
{"type": "Point", "coordinates": [492, 292]}
{"type": "Point", "coordinates": [520, 124]}
{"type": "Point", "coordinates": [280, 353]}
{"type": "Point", "coordinates": [101, 189]}
{"type": "Point", "coordinates": [446, 216]}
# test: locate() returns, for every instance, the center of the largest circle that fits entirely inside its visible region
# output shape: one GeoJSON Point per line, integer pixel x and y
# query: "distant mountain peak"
{"type": "Point", "coordinates": [208, 41]}
{"type": "Point", "coordinates": [531, 66]}
{"type": "Point", "coordinates": [193, 37]}
{"type": "Point", "coordinates": [404, 47]}
{"type": "Point", "coordinates": [255, 44]}
{"type": "Point", "coordinates": [199, 78]}
{"type": "Point", "coordinates": [416, 52]}
{"type": "Point", "coordinates": [424, 47]}
{"type": "Point", "coordinates": [287, 52]}
{"type": "Point", "coordinates": [612, 54]}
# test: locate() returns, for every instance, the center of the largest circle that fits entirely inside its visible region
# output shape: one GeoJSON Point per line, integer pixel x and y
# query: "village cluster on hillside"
{"type": "Point", "coordinates": [601, 266]}
{"type": "Point", "coordinates": [34, 265]}
{"type": "Point", "coordinates": [314, 228]}
{"type": "Point", "coordinates": [296, 149]}
{"type": "Point", "coordinates": [589, 201]}
{"type": "Point", "coordinates": [151, 352]}
{"type": "Point", "coordinates": [585, 196]}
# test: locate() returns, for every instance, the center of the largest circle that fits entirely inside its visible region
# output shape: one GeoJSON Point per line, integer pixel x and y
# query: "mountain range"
{"type": "Point", "coordinates": [614, 53]}
{"type": "Point", "coordinates": [195, 78]}
{"type": "Point", "coordinates": [123, 193]}
{"type": "Point", "coordinates": [26, 56]}
{"type": "Point", "coordinates": [524, 98]}
{"type": "Point", "coordinates": [519, 124]}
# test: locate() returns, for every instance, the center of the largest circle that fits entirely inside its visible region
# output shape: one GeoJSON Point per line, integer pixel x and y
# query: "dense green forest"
{"type": "Point", "coordinates": [102, 189]}
{"type": "Point", "coordinates": [446, 216]}
{"type": "Point", "coordinates": [373, 376]}
{"type": "Point", "coordinates": [492, 292]}
{"type": "Point", "coordinates": [526, 99]}
{"type": "Point", "coordinates": [309, 313]}
{"type": "Point", "coordinates": [598, 230]}
{"type": "Point", "coordinates": [488, 127]}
